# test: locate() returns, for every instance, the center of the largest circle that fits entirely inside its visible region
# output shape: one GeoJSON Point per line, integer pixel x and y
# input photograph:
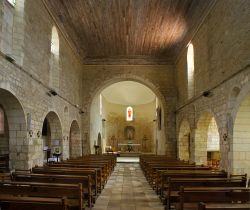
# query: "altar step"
{"type": "Point", "coordinates": [130, 154]}
{"type": "Point", "coordinates": [127, 159]}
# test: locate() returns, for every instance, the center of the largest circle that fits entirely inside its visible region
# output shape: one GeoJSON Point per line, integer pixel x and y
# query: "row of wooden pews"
{"type": "Point", "coordinates": [4, 162]}
{"type": "Point", "coordinates": [182, 185]}
{"type": "Point", "coordinates": [72, 184]}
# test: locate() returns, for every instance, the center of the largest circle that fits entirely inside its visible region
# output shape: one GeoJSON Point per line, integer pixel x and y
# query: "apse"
{"type": "Point", "coordinates": [125, 113]}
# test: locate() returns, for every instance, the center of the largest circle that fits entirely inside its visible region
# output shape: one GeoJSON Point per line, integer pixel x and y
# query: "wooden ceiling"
{"type": "Point", "coordinates": [104, 30]}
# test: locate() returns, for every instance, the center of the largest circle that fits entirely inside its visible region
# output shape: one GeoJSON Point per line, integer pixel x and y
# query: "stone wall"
{"type": "Point", "coordinates": [184, 141]}
{"type": "Point", "coordinates": [75, 140]}
{"type": "Point", "coordinates": [221, 65]}
{"type": "Point", "coordinates": [95, 123]}
{"type": "Point", "coordinates": [144, 115]}
{"type": "Point", "coordinates": [27, 82]}
{"type": "Point", "coordinates": [159, 78]}
{"type": "Point", "coordinates": [7, 11]}
{"type": "Point", "coordinates": [4, 134]}
{"type": "Point", "coordinates": [213, 139]}
{"type": "Point", "coordinates": [241, 139]}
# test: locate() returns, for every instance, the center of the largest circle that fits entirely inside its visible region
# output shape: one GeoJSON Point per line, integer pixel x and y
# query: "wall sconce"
{"type": "Point", "coordinates": [29, 124]}
{"type": "Point", "coordinates": [30, 133]}
{"type": "Point", "coordinates": [53, 92]}
{"type": "Point", "coordinates": [38, 134]}
{"type": "Point", "coordinates": [81, 112]}
{"type": "Point", "coordinates": [10, 59]}
{"type": "Point", "coordinates": [207, 93]}
{"type": "Point", "coordinates": [65, 138]}
{"type": "Point", "coordinates": [225, 137]}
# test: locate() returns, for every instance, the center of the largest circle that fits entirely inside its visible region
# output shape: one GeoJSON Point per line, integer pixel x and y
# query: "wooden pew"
{"type": "Point", "coordinates": [4, 163]}
{"type": "Point", "coordinates": [151, 164]}
{"type": "Point", "coordinates": [145, 164]}
{"type": "Point", "coordinates": [5, 176]}
{"type": "Point", "coordinates": [164, 176]}
{"type": "Point", "coordinates": [107, 163]}
{"type": "Point", "coordinates": [224, 206]}
{"type": "Point", "coordinates": [72, 171]}
{"type": "Point", "coordinates": [158, 170]}
{"type": "Point", "coordinates": [63, 179]}
{"type": "Point", "coordinates": [171, 195]}
{"type": "Point", "coordinates": [191, 197]}
{"type": "Point", "coordinates": [152, 168]}
{"type": "Point", "coordinates": [73, 192]}
{"type": "Point", "coordinates": [102, 173]}
{"type": "Point", "coordinates": [109, 159]}
{"type": "Point", "coordinates": [10, 202]}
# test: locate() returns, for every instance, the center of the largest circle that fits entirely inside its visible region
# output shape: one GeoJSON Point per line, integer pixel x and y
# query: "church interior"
{"type": "Point", "coordinates": [124, 104]}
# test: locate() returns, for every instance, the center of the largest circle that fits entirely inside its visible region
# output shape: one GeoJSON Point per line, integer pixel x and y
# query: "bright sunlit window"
{"type": "Point", "coordinates": [190, 70]}
{"type": "Point", "coordinates": [12, 2]}
{"type": "Point", "coordinates": [101, 104]}
{"type": "Point", "coordinates": [54, 42]}
{"type": "Point", "coordinates": [129, 113]}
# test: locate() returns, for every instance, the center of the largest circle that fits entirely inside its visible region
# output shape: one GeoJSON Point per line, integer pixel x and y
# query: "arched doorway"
{"type": "Point", "coordinates": [52, 136]}
{"type": "Point", "coordinates": [149, 127]}
{"type": "Point", "coordinates": [184, 141]}
{"type": "Point", "coordinates": [75, 145]}
{"type": "Point", "coordinates": [207, 144]}
{"type": "Point", "coordinates": [241, 138]}
{"type": "Point", "coordinates": [13, 131]}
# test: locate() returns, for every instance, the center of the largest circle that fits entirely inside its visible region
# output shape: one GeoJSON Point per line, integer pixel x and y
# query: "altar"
{"type": "Point", "coordinates": [129, 147]}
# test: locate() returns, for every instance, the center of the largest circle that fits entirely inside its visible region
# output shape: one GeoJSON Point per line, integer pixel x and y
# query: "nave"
{"type": "Point", "coordinates": [127, 189]}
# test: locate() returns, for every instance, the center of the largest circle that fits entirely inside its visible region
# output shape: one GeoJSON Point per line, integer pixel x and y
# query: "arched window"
{"type": "Point", "coordinates": [54, 76]}
{"type": "Point", "coordinates": [7, 20]}
{"type": "Point", "coordinates": [101, 104]}
{"type": "Point", "coordinates": [129, 113]}
{"type": "Point", "coordinates": [190, 70]}
{"type": "Point", "coordinates": [1, 121]}
{"type": "Point", "coordinates": [12, 2]}
{"type": "Point", "coordinates": [54, 42]}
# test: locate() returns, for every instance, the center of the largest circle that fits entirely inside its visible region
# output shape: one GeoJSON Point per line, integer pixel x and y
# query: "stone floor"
{"type": "Point", "coordinates": [127, 189]}
{"type": "Point", "coordinates": [127, 159]}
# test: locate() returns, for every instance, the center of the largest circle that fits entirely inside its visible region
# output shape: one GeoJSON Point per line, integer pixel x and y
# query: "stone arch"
{"type": "Point", "coordinates": [206, 123]}
{"type": "Point", "coordinates": [130, 77]}
{"type": "Point", "coordinates": [240, 143]}
{"type": "Point", "coordinates": [75, 144]}
{"type": "Point", "coordinates": [17, 130]}
{"type": "Point", "coordinates": [243, 92]}
{"type": "Point", "coordinates": [184, 139]}
{"type": "Point", "coordinates": [233, 95]}
{"type": "Point", "coordinates": [52, 138]}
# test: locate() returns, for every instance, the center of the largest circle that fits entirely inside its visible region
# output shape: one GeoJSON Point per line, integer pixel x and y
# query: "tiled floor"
{"type": "Point", "coordinates": [127, 189]}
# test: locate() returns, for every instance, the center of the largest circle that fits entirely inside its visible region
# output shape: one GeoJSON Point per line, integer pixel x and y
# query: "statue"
{"type": "Point", "coordinates": [129, 132]}
{"type": "Point", "coordinates": [113, 142]}
{"type": "Point", "coordinates": [144, 143]}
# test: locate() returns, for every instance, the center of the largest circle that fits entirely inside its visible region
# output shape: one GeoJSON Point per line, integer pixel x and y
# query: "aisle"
{"type": "Point", "coordinates": [127, 189]}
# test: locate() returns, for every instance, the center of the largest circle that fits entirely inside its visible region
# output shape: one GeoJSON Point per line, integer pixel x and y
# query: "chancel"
{"type": "Point", "coordinates": [124, 104]}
